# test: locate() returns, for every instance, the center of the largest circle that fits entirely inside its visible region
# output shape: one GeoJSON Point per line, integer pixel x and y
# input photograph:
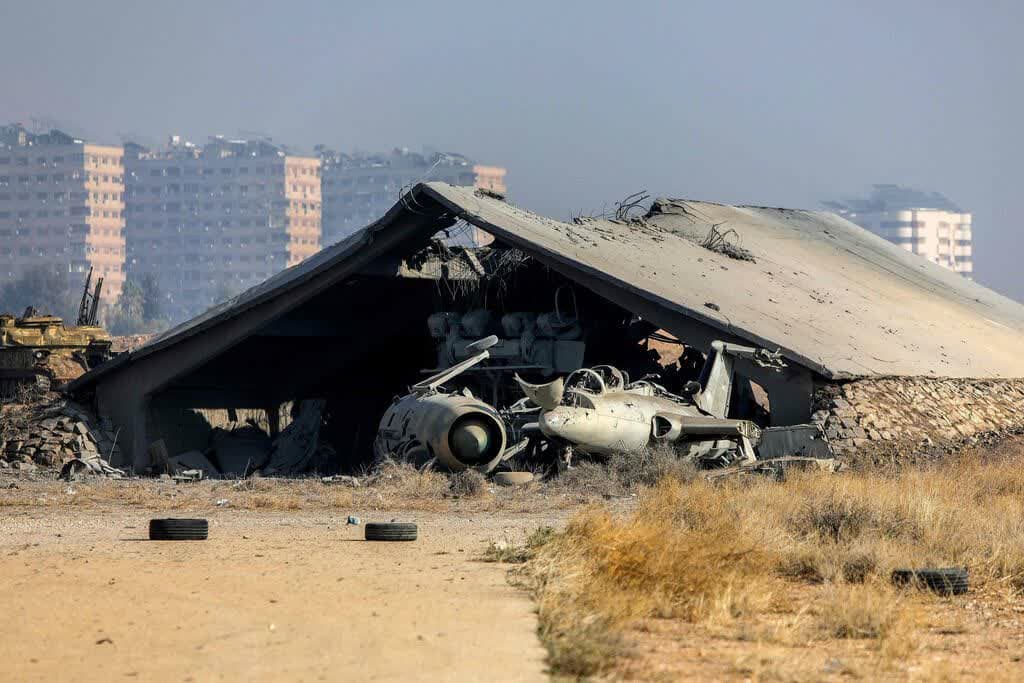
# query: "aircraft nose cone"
{"type": "Point", "coordinates": [470, 442]}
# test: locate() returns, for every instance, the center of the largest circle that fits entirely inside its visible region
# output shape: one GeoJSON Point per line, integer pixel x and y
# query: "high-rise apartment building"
{"type": "Point", "coordinates": [924, 223]}
{"type": "Point", "coordinates": [61, 206]}
{"type": "Point", "coordinates": [210, 221]}
{"type": "Point", "coordinates": [359, 189]}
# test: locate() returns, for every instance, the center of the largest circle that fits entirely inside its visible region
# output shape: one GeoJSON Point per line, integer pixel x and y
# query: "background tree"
{"type": "Point", "coordinates": [126, 317]}
{"type": "Point", "coordinates": [44, 287]}
{"type": "Point", "coordinates": [138, 309]}
{"type": "Point", "coordinates": [152, 304]}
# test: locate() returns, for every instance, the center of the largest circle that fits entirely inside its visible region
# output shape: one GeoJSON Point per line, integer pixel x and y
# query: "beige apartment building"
{"type": "Point", "coordinates": [209, 222]}
{"type": "Point", "coordinates": [61, 206]}
{"type": "Point", "coordinates": [923, 223]}
{"type": "Point", "coordinates": [490, 178]}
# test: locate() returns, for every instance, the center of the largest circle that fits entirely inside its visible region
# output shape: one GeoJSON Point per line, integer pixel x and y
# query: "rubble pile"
{"type": "Point", "coordinates": [51, 433]}
{"type": "Point", "coordinates": [129, 342]}
{"type": "Point", "coordinates": [901, 413]}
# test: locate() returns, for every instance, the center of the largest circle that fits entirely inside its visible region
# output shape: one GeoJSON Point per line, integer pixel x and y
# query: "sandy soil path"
{"type": "Point", "coordinates": [271, 596]}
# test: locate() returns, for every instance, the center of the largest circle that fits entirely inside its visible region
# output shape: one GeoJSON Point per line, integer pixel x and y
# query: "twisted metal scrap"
{"type": "Point", "coordinates": [719, 242]}
{"type": "Point", "coordinates": [631, 203]}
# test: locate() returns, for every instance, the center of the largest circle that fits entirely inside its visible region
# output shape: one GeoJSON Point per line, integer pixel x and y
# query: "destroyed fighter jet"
{"type": "Point", "coordinates": [599, 411]}
{"type": "Point", "coordinates": [455, 431]}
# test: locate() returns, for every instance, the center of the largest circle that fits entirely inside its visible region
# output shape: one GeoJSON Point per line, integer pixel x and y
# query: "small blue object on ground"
{"type": "Point", "coordinates": [353, 520]}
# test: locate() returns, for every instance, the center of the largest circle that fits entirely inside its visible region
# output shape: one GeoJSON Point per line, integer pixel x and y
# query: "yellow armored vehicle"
{"type": "Point", "coordinates": [39, 350]}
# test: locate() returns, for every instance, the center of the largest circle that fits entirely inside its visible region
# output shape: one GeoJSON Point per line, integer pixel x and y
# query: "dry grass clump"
{"type": "Point", "coordinates": [392, 486]}
{"type": "Point", "coordinates": [874, 612]}
{"type": "Point", "coordinates": [718, 553]}
{"type": "Point", "coordinates": [467, 484]}
{"type": "Point", "coordinates": [622, 473]}
{"type": "Point", "coordinates": [673, 557]}
{"type": "Point", "coordinates": [505, 551]}
{"type": "Point", "coordinates": [402, 480]}
{"type": "Point", "coordinates": [861, 526]}
{"type": "Point", "coordinates": [858, 612]}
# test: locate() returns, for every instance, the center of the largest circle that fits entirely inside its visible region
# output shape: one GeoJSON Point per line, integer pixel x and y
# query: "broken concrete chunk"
{"type": "Point", "coordinates": [188, 476]}
{"type": "Point", "coordinates": [193, 460]}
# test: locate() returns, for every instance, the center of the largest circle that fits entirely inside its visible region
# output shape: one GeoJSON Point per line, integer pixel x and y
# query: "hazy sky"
{"type": "Point", "coordinates": [779, 103]}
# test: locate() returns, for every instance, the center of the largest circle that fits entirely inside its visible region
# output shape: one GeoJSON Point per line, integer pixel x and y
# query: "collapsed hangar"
{"type": "Point", "coordinates": [350, 324]}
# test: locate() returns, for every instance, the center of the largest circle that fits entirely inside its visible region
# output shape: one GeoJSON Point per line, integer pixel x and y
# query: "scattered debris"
{"type": "Point", "coordinates": [352, 521]}
{"type": "Point", "coordinates": [296, 445]}
{"type": "Point", "coordinates": [342, 479]}
{"type": "Point", "coordinates": [89, 463]}
{"type": "Point", "coordinates": [487, 192]}
{"type": "Point", "coordinates": [633, 202]}
{"type": "Point", "coordinates": [55, 433]}
{"type": "Point", "coordinates": [191, 461]}
{"type": "Point", "coordinates": [807, 440]}
{"type": "Point", "coordinates": [776, 468]}
{"type": "Point", "coordinates": [726, 242]}
{"type": "Point", "coordinates": [188, 476]}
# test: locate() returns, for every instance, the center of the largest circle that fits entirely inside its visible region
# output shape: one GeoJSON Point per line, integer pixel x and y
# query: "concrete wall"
{"type": "Point", "coordinates": [901, 416]}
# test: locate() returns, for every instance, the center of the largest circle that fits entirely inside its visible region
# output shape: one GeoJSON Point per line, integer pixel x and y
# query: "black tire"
{"type": "Point", "coordinates": [178, 530]}
{"type": "Point", "coordinates": [390, 531]}
{"type": "Point", "coordinates": [946, 581]}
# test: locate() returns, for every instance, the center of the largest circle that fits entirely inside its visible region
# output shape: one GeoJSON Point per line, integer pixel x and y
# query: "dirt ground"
{"type": "Point", "coordinates": [978, 637]}
{"type": "Point", "coordinates": [270, 596]}
{"type": "Point", "coordinates": [285, 590]}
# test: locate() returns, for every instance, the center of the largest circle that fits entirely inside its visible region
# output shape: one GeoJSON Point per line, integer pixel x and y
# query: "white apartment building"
{"type": "Point", "coordinates": [926, 224]}
{"type": "Point", "coordinates": [211, 221]}
{"type": "Point", "coordinates": [360, 188]}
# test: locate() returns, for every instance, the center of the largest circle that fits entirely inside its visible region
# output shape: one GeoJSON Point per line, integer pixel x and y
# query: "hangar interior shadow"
{"type": "Point", "coordinates": [361, 343]}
